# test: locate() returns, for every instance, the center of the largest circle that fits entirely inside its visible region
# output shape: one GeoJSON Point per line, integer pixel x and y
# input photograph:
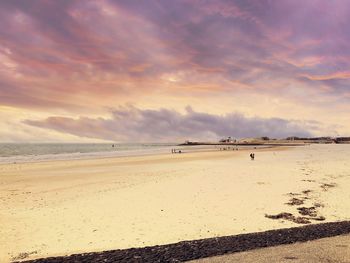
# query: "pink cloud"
{"type": "Point", "coordinates": [89, 54]}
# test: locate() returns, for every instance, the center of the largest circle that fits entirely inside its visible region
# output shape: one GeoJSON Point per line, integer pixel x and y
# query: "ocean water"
{"type": "Point", "coordinates": [38, 152]}
{"type": "Point", "coordinates": [15, 149]}
{"type": "Point", "coordinates": [27, 152]}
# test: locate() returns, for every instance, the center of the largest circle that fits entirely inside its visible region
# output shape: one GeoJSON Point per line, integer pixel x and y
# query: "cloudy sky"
{"type": "Point", "coordinates": [122, 70]}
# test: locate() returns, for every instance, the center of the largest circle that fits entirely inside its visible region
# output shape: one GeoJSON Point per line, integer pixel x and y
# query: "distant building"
{"type": "Point", "coordinates": [342, 140]}
{"type": "Point", "coordinates": [228, 140]}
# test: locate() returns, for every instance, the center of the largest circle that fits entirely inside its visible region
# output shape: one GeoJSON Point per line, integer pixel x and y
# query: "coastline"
{"type": "Point", "coordinates": [78, 206]}
{"type": "Point", "coordinates": [16, 159]}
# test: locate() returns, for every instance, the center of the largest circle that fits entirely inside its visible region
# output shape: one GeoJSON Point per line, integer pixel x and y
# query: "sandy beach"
{"type": "Point", "coordinates": [64, 207]}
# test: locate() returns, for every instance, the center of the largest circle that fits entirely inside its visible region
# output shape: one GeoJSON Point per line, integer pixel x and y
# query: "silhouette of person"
{"type": "Point", "coordinates": [252, 156]}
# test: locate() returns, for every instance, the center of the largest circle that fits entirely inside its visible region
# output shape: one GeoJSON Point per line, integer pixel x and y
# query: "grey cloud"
{"type": "Point", "coordinates": [134, 124]}
{"type": "Point", "coordinates": [174, 35]}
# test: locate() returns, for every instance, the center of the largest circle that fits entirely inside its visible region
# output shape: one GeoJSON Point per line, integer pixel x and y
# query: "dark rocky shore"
{"type": "Point", "coordinates": [189, 250]}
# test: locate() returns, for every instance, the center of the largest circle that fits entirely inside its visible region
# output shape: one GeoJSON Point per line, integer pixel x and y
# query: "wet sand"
{"type": "Point", "coordinates": [65, 207]}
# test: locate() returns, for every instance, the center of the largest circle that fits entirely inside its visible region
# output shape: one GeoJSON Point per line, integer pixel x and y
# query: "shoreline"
{"type": "Point", "coordinates": [209, 247]}
{"type": "Point", "coordinates": [23, 159]}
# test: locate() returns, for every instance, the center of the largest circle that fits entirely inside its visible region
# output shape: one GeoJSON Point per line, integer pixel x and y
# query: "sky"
{"type": "Point", "coordinates": [168, 71]}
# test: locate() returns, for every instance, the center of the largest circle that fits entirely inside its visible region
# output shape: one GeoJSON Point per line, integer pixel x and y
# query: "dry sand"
{"type": "Point", "coordinates": [64, 207]}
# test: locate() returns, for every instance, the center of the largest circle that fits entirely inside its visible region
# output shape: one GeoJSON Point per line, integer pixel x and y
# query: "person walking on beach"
{"type": "Point", "coordinates": [252, 156]}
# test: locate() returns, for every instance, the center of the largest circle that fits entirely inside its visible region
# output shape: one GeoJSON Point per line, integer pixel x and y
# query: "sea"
{"type": "Point", "coordinates": [29, 152]}
{"type": "Point", "coordinates": [38, 152]}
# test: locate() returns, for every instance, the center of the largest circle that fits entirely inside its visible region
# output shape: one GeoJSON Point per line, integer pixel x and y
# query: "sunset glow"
{"type": "Point", "coordinates": [173, 70]}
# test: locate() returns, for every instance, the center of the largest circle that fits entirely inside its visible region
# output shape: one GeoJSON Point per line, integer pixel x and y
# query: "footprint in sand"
{"type": "Point", "coordinates": [325, 187]}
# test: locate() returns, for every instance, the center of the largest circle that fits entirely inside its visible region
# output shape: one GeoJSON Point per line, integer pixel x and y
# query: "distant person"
{"type": "Point", "coordinates": [252, 156]}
